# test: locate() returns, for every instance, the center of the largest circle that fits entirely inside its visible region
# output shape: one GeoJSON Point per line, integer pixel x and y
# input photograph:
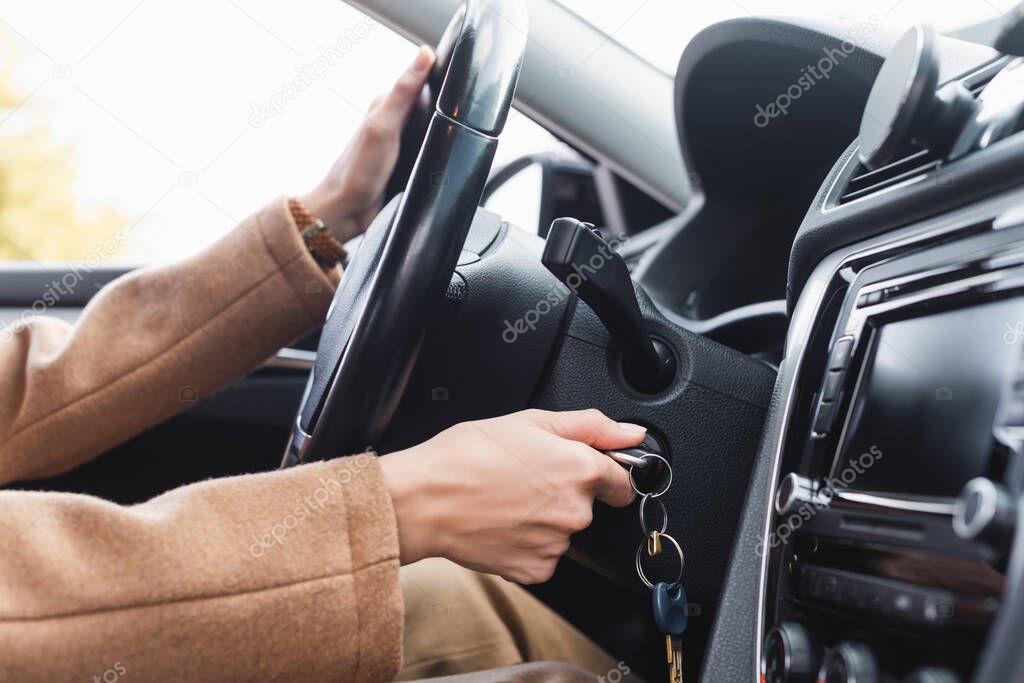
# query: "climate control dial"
{"type": "Point", "coordinates": [789, 655]}
{"type": "Point", "coordinates": [850, 662]}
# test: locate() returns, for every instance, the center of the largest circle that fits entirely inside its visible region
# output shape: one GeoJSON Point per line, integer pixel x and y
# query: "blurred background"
{"type": "Point", "coordinates": [138, 131]}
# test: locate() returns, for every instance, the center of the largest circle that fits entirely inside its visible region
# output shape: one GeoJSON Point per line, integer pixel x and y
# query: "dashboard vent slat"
{"type": "Point", "coordinates": [914, 162]}
{"type": "Point", "coordinates": [976, 88]}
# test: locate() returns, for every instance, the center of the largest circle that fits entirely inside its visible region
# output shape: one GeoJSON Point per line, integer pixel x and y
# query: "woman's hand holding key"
{"type": "Point", "coordinates": [503, 495]}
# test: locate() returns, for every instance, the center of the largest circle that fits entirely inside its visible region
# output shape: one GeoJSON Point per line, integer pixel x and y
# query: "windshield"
{"type": "Point", "coordinates": [657, 30]}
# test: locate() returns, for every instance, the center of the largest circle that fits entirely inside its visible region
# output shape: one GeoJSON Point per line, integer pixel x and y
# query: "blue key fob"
{"type": "Point", "coordinates": [670, 608]}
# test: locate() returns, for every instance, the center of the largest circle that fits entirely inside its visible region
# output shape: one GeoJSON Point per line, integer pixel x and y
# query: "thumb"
{"type": "Point", "coordinates": [613, 486]}
{"type": "Point", "coordinates": [398, 103]}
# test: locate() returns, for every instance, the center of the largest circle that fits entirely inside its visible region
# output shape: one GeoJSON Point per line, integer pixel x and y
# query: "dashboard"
{"type": "Point", "coordinates": [880, 539]}
{"type": "Point", "coordinates": [723, 271]}
{"type": "Point", "coordinates": [893, 514]}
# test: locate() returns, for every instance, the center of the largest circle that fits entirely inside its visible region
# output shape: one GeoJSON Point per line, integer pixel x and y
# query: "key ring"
{"type": "Point", "coordinates": [668, 484]}
{"type": "Point", "coordinates": [643, 517]}
{"type": "Point", "coordinates": [640, 568]}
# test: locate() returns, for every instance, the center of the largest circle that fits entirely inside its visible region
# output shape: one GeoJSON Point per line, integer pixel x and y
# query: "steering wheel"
{"type": "Point", "coordinates": [394, 287]}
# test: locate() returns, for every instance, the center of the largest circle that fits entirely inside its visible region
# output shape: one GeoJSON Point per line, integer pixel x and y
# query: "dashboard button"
{"type": "Point", "coordinates": [833, 384]}
{"type": "Point", "coordinates": [902, 603]}
{"type": "Point", "coordinates": [937, 608]}
{"type": "Point", "coordinates": [841, 352]}
{"type": "Point", "coordinates": [808, 582]}
{"type": "Point", "coordinates": [824, 417]}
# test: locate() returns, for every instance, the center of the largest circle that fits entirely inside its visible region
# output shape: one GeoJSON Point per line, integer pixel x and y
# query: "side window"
{"type": "Point", "coordinates": [135, 132]}
{"type": "Point", "coordinates": [139, 132]}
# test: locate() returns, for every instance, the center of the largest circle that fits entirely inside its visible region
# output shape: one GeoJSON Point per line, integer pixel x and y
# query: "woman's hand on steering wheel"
{"type": "Point", "coordinates": [503, 496]}
{"type": "Point", "coordinates": [351, 194]}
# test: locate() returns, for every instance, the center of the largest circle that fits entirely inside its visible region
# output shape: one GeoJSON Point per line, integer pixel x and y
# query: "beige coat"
{"type": "Point", "coordinates": [288, 575]}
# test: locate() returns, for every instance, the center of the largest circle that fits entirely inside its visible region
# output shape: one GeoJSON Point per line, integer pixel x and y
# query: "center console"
{"type": "Point", "coordinates": [891, 550]}
{"type": "Point", "coordinates": [895, 509]}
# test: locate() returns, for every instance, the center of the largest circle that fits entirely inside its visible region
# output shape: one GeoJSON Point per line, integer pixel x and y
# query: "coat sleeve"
{"type": "Point", "coordinates": [150, 343]}
{"type": "Point", "coordinates": [289, 575]}
{"type": "Point", "coordinates": [281, 576]}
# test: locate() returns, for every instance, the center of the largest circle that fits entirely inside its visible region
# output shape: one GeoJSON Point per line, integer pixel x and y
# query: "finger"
{"type": "Point", "coordinates": [396, 106]}
{"type": "Point", "coordinates": [612, 485]}
{"type": "Point", "coordinates": [595, 429]}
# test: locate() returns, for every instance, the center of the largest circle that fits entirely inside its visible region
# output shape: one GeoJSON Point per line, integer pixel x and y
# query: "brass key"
{"type": "Point", "coordinates": [674, 654]}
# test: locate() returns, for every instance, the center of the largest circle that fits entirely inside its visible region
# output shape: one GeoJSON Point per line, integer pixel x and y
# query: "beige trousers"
{"type": "Point", "coordinates": [459, 621]}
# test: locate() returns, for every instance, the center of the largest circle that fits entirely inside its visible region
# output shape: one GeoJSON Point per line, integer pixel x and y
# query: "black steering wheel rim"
{"type": "Point", "coordinates": [396, 281]}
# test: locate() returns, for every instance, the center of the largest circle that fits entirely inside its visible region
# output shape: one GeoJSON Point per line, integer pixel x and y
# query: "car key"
{"type": "Point", "coordinates": [670, 615]}
{"type": "Point", "coordinates": [630, 457]}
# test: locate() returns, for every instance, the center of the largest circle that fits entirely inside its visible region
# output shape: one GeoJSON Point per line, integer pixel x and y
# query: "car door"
{"type": "Point", "coordinates": [239, 429]}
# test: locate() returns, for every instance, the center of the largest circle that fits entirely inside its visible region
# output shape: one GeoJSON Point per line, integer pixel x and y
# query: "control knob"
{"type": "Point", "coordinates": [795, 490]}
{"type": "Point", "coordinates": [987, 512]}
{"type": "Point", "coordinates": [789, 655]}
{"type": "Point", "coordinates": [850, 662]}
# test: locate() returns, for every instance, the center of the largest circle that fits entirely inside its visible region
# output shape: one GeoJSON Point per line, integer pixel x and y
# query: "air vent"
{"type": "Point", "coordinates": [914, 162]}
{"type": "Point", "coordinates": [977, 81]}
{"type": "Point", "coordinates": [976, 88]}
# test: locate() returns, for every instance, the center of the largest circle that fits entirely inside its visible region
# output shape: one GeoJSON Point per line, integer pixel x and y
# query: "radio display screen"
{"type": "Point", "coordinates": [928, 398]}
